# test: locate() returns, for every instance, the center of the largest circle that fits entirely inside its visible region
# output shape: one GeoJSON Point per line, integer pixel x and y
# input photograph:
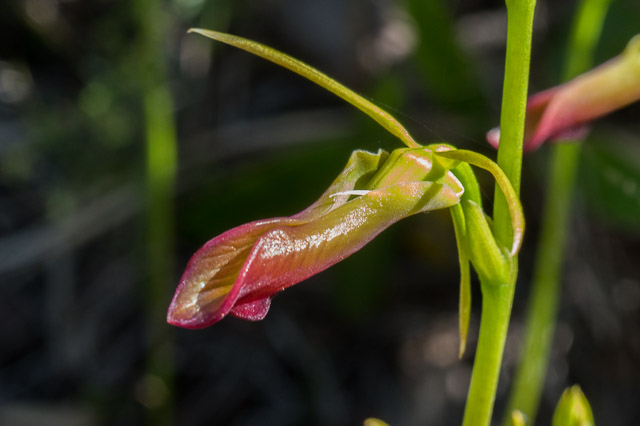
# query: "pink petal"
{"type": "Point", "coordinates": [287, 255]}
{"type": "Point", "coordinates": [289, 251]}
{"type": "Point", "coordinates": [208, 289]}
{"type": "Point", "coordinates": [239, 271]}
{"type": "Point", "coordinates": [206, 292]}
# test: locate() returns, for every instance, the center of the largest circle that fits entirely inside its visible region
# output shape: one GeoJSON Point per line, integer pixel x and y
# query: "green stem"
{"type": "Point", "coordinates": [541, 317]}
{"type": "Point", "coordinates": [514, 105]}
{"type": "Point", "coordinates": [497, 298]}
{"type": "Point", "coordinates": [496, 309]}
{"type": "Point", "coordinates": [544, 299]}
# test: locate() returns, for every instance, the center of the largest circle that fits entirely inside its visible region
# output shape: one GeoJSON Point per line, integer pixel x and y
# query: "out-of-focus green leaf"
{"type": "Point", "coordinates": [445, 65]}
{"type": "Point", "coordinates": [610, 180]}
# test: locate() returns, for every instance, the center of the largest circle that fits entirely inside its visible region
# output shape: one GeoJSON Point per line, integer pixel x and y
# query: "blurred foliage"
{"type": "Point", "coordinates": [449, 75]}
{"type": "Point", "coordinates": [376, 334]}
{"type": "Point", "coordinates": [610, 181]}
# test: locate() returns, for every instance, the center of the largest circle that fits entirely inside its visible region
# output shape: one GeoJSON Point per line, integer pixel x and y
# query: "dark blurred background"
{"type": "Point", "coordinates": [125, 144]}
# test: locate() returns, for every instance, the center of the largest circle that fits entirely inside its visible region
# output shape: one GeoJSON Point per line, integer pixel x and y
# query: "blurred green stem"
{"type": "Point", "coordinates": [497, 298]}
{"type": "Point", "coordinates": [161, 163]}
{"type": "Point", "coordinates": [541, 317]}
{"type": "Point", "coordinates": [160, 182]}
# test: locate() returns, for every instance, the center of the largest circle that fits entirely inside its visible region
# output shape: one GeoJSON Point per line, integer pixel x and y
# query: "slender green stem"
{"type": "Point", "coordinates": [544, 299]}
{"type": "Point", "coordinates": [541, 317]}
{"type": "Point", "coordinates": [497, 298]}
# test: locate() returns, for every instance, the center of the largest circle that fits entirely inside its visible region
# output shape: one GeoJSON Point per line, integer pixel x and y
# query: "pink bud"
{"type": "Point", "coordinates": [563, 112]}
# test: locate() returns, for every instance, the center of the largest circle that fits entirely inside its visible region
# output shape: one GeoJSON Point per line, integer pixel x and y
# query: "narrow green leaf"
{"type": "Point", "coordinates": [513, 202]}
{"type": "Point", "coordinates": [385, 119]}
{"type": "Point", "coordinates": [460, 228]}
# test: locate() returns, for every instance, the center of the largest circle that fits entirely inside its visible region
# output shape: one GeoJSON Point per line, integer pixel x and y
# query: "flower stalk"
{"type": "Point", "coordinates": [498, 296]}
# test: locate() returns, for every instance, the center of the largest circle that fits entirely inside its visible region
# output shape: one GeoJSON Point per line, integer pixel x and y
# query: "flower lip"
{"type": "Point", "coordinates": [187, 309]}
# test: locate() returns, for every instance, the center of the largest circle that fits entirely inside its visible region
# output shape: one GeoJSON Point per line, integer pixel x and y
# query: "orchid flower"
{"type": "Point", "coordinates": [564, 111]}
{"type": "Point", "coordinates": [238, 272]}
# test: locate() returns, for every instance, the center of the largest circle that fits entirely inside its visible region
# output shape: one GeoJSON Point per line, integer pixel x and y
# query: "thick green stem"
{"type": "Point", "coordinates": [497, 298]}
{"type": "Point", "coordinates": [541, 317]}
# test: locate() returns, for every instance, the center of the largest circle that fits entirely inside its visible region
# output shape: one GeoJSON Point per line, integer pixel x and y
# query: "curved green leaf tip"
{"type": "Point", "coordinates": [385, 119]}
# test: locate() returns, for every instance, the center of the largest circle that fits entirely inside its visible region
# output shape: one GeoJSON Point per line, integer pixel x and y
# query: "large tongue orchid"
{"type": "Point", "coordinates": [563, 112]}
{"type": "Point", "coordinates": [239, 271]}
